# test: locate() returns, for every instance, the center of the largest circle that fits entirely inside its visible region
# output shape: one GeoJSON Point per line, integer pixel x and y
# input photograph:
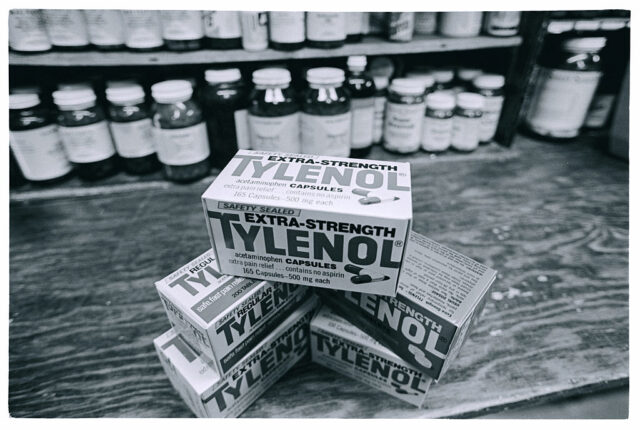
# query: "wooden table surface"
{"type": "Point", "coordinates": [552, 219]}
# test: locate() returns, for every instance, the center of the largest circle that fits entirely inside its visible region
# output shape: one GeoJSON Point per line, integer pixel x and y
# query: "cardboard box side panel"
{"type": "Point", "coordinates": [208, 221]}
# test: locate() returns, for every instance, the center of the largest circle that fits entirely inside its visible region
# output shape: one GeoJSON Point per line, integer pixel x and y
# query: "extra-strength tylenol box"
{"type": "Point", "coordinates": [338, 223]}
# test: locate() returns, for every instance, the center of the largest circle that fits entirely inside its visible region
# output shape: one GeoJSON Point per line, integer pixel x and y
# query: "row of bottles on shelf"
{"type": "Point", "coordinates": [337, 114]}
{"type": "Point", "coordinates": [32, 30]}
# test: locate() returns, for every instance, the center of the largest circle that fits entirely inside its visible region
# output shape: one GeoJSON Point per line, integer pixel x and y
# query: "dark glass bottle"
{"type": "Point", "coordinates": [85, 134]}
{"type": "Point", "coordinates": [286, 30]}
{"type": "Point", "coordinates": [222, 30]}
{"type": "Point", "coordinates": [225, 106]}
{"type": "Point", "coordinates": [362, 90]}
{"type": "Point", "coordinates": [182, 30]}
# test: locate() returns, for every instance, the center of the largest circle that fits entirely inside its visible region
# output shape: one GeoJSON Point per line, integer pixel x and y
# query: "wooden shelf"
{"type": "Point", "coordinates": [369, 46]}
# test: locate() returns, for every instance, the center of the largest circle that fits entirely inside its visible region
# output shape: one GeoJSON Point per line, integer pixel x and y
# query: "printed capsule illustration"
{"type": "Point", "coordinates": [369, 198]}
{"type": "Point", "coordinates": [364, 276]}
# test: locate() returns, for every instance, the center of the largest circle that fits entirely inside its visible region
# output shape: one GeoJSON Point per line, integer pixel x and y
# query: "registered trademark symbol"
{"type": "Point", "coordinates": [397, 243]}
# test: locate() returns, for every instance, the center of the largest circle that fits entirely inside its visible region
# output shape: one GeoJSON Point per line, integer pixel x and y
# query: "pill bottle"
{"type": "Point", "coordinates": [380, 104]}
{"type": "Point", "coordinates": [326, 29]}
{"type": "Point", "coordinates": [182, 30]}
{"type": "Point", "coordinates": [27, 32]}
{"type": "Point", "coordinates": [425, 22]}
{"type": "Point", "coordinates": [225, 98]}
{"type": "Point", "coordinates": [465, 77]}
{"type": "Point", "coordinates": [438, 121]}
{"type": "Point", "coordinates": [460, 24]}
{"type": "Point", "coordinates": [179, 131]}
{"type": "Point", "coordinates": [325, 122]}
{"type": "Point", "coordinates": [400, 26]}
{"type": "Point", "coordinates": [222, 29]}
{"type": "Point", "coordinates": [34, 140]}
{"type": "Point", "coordinates": [566, 80]}
{"type": "Point", "coordinates": [67, 29]}
{"type": "Point", "coordinates": [143, 31]}
{"type": "Point", "coordinates": [467, 121]}
{"type": "Point", "coordinates": [106, 29]}
{"type": "Point", "coordinates": [443, 79]}
{"type": "Point", "coordinates": [502, 24]}
{"type": "Point", "coordinates": [426, 77]}
{"type": "Point", "coordinates": [273, 112]}
{"type": "Point", "coordinates": [131, 127]}
{"type": "Point", "coordinates": [491, 87]}
{"type": "Point", "coordinates": [255, 30]}
{"type": "Point", "coordinates": [85, 133]}
{"type": "Point", "coordinates": [362, 90]}
{"type": "Point", "coordinates": [404, 116]}
{"type": "Point", "coordinates": [355, 26]}
{"type": "Point", "coordinates": [286, 30]}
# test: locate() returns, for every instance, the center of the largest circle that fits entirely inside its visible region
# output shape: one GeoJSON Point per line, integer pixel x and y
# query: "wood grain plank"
{"type": "Point", "coordinates": [553, 221]}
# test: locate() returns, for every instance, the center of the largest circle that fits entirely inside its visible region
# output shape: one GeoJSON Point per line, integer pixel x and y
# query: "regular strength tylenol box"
{"type": "Point", "coordinates": [339, 223]}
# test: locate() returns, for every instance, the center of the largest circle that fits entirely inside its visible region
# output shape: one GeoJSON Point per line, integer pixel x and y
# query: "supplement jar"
{"type": "Point", "coordinates": [443, 79]}
{"type": "Point", "coordinates": [465, 77]}
{"type": "Point", "coordinates": [222, 29]}
{"type": "Point", "coordinates": [426, 77]}
{"type": "Point", "coordinates": [143, 31]}
{"type": "Point", "coordinates": [326, 29]}
{"type": "Point", "coordinates": [467, 121]}
{"type": "Point", "coordinates": [286, 30]}
{"type": "Point", "coordinates": [182, 30]}
{"type": "Point", "coordinates": [67, 29]}
{"type": "Point", "coordinates": [404, 116]}
{"type": "Point", "coordinates": [27, 32]}
{"type": "Point", "coordinates": [325, 121]}
{"type": "Point", "coordinates": [425, 22]}
{"type": "Point", "coordinates": [355, 26]}
{"type": "Point", "coordinates": [491, 87]}
{"type": "Point", "coordinates": [379, 106]}
{"type": "Point", "coordinates": [131, 127]}
{"type": "Point", "coordinates": [255, 30]}
{"type": "Point", "coordinates": [362, 91]}
{"type": "Point", "coordinates": [502, 24]}
{"type": "Point", "coordinates": [273, 112]}
{"type": "Point", "coordinates": [85, 133]}
{"type": "Point", "coordinates": [34, 140]}
{"type": "Point", "coordinates": [106, 29]}
{"type": "Point", "coordinates": [400, 26]}
{"type": "Point", "coordinates": [226, 100]}
{"type": "Point", "coordinates": [566, 81]}
{"type": "Point", "coordinates": [460, 24]}
{"type": "Point", "coordinates": [438, 121]}
{"type": "Point", "coordinates": [180, 132]}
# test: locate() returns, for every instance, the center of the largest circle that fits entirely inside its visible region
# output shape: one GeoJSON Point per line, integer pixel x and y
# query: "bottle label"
{"type": "Point", "coordinates": [403, 126]}
{"type": "Point", "coordinates": [279, 133]}
{"type": "Point", "coordinates": [182, 146]}
{"type": "Point", "coordinates": [465, 135]}
{"type": "Point", "coordinates": [490, 117]}
{"type": "Point", "coordinates": [87, 143]}
{"type": "Point", "coordinates": [66, 27]}
{"type": "Point", "coordinates": [326, 26]}
{"type": "Point", "coordinates": [255, 34]}
{"type": "Point", "coordinates": [326, 135]}
{"type": "Point", "coordinates": [362, 120]}
{"type": "Point", "coordinates": [105, 27]}
{"type": "Point", "coordinates": [426, 22]}
{"type": "Point", "coordinates": [354, 22]}
{"type": "Point", "coordinates": [27, 31]}
{"type": "Point", "coordinates": [600, 110]}
{"type": "Point", "coordinates": [241, 119]}
{"type": "Point", "coordinates": [39, 153]}
{"type": "Point", "coordinates": [378, 120]}
{"type": "Point", "coordinates": [182, 24]}
{"type": "Point", "coordinates": [286, 27]}
{"type": "Point", "coordinates": [436, 133]}
{"type": "Point", "coordinates": [142, 29]}
{"type": "Point", "coordinates": [222, 25]}
{"type": "Point", "coordinates": [561, 99]}
{"type": "Point", "coordinates": [133, 139]}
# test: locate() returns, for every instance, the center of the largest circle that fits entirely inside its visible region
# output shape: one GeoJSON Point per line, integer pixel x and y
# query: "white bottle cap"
{"type": "Point", "coordinates": [218, 76]}
{"type": "Point", "coordinates": [72, 99]}
{"type": "Point", "coordinates": [123, 94]}
{"type": "Point", "coordinates": [612, 23]}
{"type": "Point", "coordinates": [271, 76]}
{"type": "Point", "coordinates": [74, 86]}
{"type": "Point", "coordinates": [425, 77]}
{"type": "Point", "coordinates": [489, 82]}
{"type": "Point", "coordinates": [325, 76]}
{"type": "Point", "coordinates": [408, 86]}
{"type": "Point", "coordinates": [470, 101]}
{"type": "Point", "coordinates": [357, 62]}
{"type": "Point", "coordinates": [468, 74]}
{"type": "Point", "coordinates": [586, 25]}
{"type": "Point", "coordinates": [173, 91]}
{"type": "Point", "coordinates": [443, 76]}
{"type": "Point", "coordinates": [443, 100]}
{"type": "Point", "coordinates": [381, 82]}
{"type": "Point", "coordinates": [23, 100]}
{"type": "Point", "coordinates": [584, 44]}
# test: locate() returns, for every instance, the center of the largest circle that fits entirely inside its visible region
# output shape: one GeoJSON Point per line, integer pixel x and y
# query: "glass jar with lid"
{"type": "Point", "coordinates": [425, 76]}
{"type": "Point", "coordinates": [85, 133]}
{"type": "Point", "coordinates": [27, 32]}
{"type": "Point", "coordinates": [106, 29]}
{"type": "Point", "coordinates": [180, 132]}
{"type": "Point", "coordinates": [465, 77]}
{"type": "Point", "coordinates": [404, 116]}
{"type": "Point", "coordinates": [131, 127]}
{"type": "Point", "coordinates": [273, 112]}
{"type": "Point", "coordinates": [362, 91]}
{"type": "Point", "coordinates": [438, 121]}
{"type": "Point", "coordinates": [34, 139]}
{"type": "Point", "coordinates": [67, 29]}
{"type": "Point", "coordinates": [566, 80]}
{"type": "Point", "coordinates": [182, 30]}
{"type": "Point", "coordinates": [460, 24]}
{"type": "Point", "coordinates": [502, 24]}
{"type": "Point", "coordinates": [491, 87]}
{"type": "Point", "coordinates": [225, 105]}
{"type": "Point", "coordinates": [325, 122]}
{"type": "Point", "coordinates": [326, 29]}
{"type": "Point", "coordinates": [222, 29]}
{"type": "Point", "coordinates": [286, 30]}
{"type": "Point", "coordinates": [443, 79]}
{"type": "Point", "coordinates": [143, 30]}
{"type": "Point", "coordinates": [467, 121]}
